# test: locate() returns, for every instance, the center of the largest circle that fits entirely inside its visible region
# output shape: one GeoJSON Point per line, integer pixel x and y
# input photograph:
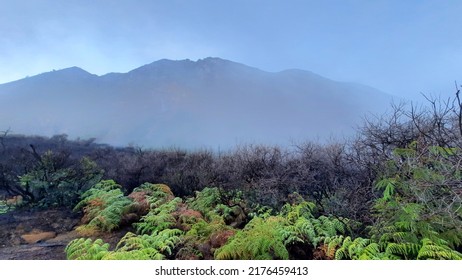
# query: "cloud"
{"type": "Point", "coordinates": [382, 43]}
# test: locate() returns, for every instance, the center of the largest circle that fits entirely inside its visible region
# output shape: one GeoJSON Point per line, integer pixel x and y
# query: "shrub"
{"type": "Point", "coordinates": [103, 207]}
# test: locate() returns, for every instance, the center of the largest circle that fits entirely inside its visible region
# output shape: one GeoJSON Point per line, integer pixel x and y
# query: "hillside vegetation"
{"type": "Point", "coordinates": [393, 192]}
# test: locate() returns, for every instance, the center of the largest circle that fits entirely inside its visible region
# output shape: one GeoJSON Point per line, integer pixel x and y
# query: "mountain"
{"type": "Point", "coordinates": [208, 103]}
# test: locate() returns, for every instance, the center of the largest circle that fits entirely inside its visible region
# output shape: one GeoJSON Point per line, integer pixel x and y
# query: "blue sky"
{"type": "Point", "coordinates": [401, 47]}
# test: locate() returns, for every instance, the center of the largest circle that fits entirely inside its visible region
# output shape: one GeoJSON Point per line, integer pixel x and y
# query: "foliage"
{"type": "Point", "coordinates": [270, 237]}
{"type": "Point", "coordinates": [131, 247]}
{"type": "Point", "coordinates": [156, 246]}
{"type": "Point", "coordinates": [213, 204]}
{"type": "Point", "coordinates": [434, 251]}
{"type": "Point", "coordinates": [346, 248]}
{"type": "Point", "coordinates": [52, 183]}
{"type": "Point", "coordinates": [264, 175]}
{"type": "Point", "coordinates": [420, 200]}
{"type": "Point", "coordinates": [302, 226]}
{"type": "Point", "coordinates": [202, 240]}
{"type": "Point", "coordinates": [157, 193]}
{"type": "Point", "coordinates": [3, 207]}
{"type": "Point", "coordinates": [259, 240]}
{"type": "Point", "coordinates": [418, 214]}
{"type": "Point", "coordinates": [205, 201]}
{"type": "Point", "coordinates": [261, 211]}
{"type": "Point", "coordinates": [103, 206]}
{"type": "Point", "coordinates": [158, 218]}
{"type": "Point", "coordinates": [86, 249]}
{"type": "Point", "coordinates": [400, 233]}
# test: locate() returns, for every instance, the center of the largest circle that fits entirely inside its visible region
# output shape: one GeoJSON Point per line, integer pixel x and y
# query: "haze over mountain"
{"type": "Point", "coordinates": [206, 103]}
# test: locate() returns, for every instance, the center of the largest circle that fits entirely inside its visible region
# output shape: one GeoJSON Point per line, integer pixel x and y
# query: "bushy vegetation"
{"type": "Point", "coordinates": [393, 192]}
{"type": "Point", "coordinates": [103, 207]}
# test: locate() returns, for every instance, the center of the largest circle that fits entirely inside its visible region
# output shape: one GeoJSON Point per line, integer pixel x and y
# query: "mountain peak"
{"type": "Point", "coordinates": [162, 65]}
{"type": "Point", "coordinates": [67, 74]}
{"type": "Point", "coordinates": [74, 69]}
{"type": "Point", "coordinates": [210, 61]}
{"type": "Point", "coordinates": [70, 71]}
{"type": "Point", "coordinates": [209, 102]}
{"type": "Point", "coordinates": [178, 68]}
{"type": "Point", "coordinates": [213, 60]}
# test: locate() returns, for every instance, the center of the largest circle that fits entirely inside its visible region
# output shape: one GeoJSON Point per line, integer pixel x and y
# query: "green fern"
{"type": "Point", "coordinates": [397, 235]}
{"type": "Point", "coordinates": [331, 244]}
{"type": "Point", "coordinates": [302, 231]}
{"type": "Point", "coordinates": [419, 201]}
{"type": "Point", "coordinates": [96, 191]}
{"type": "Point", "coordinates": [388, 186]}
{"type": "Point", "coordinates": [159, 218]}
{"type": "Point", "coordinates": [364, 249]}
{"type": "Point", "coordinates": [260, 240]}
{"type": "Point", "coordinates": [302, 227]}
{"type": "Point", "coordinates": [261, 211]}
{"type": "Point", "coordinates": [328, 226]}
{"type": "Point", "coordinates": [433, 251]}
{"type": "Point", "coordinates": [357, 249]}
{"type": "Point", "coordinates": [109, 218]}
{"type": "Point", "coordinates": [157, 194]}
{"type": "Point", "coordinates": [156, 246]}
{"type": "Point", "coordinates": [294, 211]}
{"type": "Point", "coordinates": [130, 255]}
{"type": "Point", "coordinates": [407, 251]}
{"type": "Point", "coordinates": [103, 206]}
{"type": "Point", "coordinates": [202, 229]}
{"type": "Point", "coordinates": [205, 200]}
{"type": "Point", "coordinates": [86, 249]}
{"type": "Point", "coordinates": [452, 236]}
{"type": "Point", "coordinates": [201, 240]}
{"type": "Point", "coordinates": [213, 205]}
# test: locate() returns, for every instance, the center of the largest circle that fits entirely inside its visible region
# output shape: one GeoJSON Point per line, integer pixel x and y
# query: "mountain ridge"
{"type": "Point", "coordinates": [203, 103]}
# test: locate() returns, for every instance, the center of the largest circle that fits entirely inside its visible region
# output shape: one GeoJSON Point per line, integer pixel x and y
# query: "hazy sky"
{"type": "Point", "coordinates": [403, 47]}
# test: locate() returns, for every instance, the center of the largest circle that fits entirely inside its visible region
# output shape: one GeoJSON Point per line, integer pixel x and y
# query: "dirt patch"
{"type": "Point", "coordinates": [27, 234]}
{"type": "Point", "coordinates": [37, 236]}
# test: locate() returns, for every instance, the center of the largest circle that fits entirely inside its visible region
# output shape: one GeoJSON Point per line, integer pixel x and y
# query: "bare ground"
{"type": "Point", "coordinates": [30, 234]}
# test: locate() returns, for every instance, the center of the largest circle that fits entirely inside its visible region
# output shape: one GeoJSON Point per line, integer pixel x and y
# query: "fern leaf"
{"type": "Point", "coordinates": [86, 249]}
{"type": "Point", "coordinates": [431, 250]}
{"type": "Point", "coordinates": [260, 239]}
{"type": "Point", "coordinates": [159, 218]}
{"type": "Point", "coordinates": [407, 251]}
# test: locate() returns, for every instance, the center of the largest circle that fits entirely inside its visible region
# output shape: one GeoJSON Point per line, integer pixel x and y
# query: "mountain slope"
{"type": "Point", "coordinates": [205, 103]}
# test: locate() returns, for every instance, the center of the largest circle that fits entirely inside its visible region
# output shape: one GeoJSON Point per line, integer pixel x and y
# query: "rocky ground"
{"type": "Point", "coordinates": [27, 234]}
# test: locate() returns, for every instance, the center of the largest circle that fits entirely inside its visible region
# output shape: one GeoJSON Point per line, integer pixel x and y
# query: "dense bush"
{"type": "Point", "coordinates": [103, 206]}
{"type": "Point", "coordinates": [210, 232]}
{"type": "Point", "coordinates": [264, 175]}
